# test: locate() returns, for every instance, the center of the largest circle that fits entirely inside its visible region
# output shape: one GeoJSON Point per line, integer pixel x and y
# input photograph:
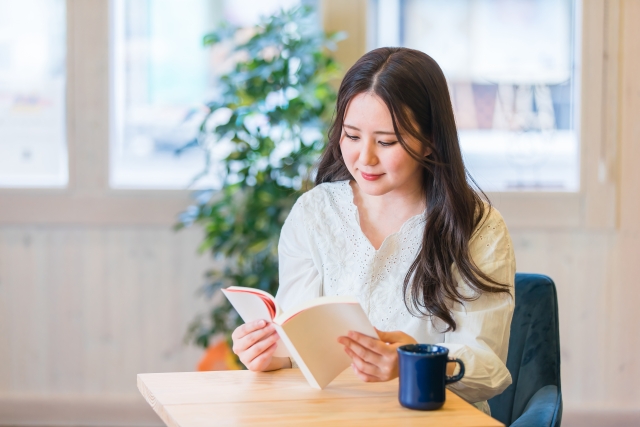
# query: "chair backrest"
{"type": "Point", "coordinates": [534, 346]}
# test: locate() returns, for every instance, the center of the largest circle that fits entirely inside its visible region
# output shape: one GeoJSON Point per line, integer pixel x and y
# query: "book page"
{"type": "Point", "coordinates": [314, 332]}
{"type": "Point", "coordinates": [251, 307]}
{"type": "Point", "coordinates": [281, 318]}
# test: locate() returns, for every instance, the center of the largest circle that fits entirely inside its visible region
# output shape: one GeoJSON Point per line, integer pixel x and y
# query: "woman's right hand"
{"type": "Point", "coordinates": [255, 343]}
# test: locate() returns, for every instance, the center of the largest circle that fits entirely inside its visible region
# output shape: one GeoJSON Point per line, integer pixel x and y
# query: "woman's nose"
{"type": "Point", "coordinates": [368, 154]}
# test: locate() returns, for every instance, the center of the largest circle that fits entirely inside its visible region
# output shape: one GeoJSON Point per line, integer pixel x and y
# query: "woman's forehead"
{"type": "Point", "coordinates": [366, 111]}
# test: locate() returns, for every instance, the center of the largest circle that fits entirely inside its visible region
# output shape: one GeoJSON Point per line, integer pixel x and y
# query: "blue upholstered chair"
{"type": "Point", "coordinates": [534, 399]}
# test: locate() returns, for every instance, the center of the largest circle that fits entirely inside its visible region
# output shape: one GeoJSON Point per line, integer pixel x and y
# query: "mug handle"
{"type": "Point", "coordinates": [453, 379]}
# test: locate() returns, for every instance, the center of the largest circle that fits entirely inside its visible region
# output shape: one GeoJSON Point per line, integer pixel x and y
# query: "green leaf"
{"type": "Point", "coordinates": [287, 78]}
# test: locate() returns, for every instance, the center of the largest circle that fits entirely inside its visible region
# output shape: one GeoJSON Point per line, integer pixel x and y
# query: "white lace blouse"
{"type": "Point", "coordinates": [322, 251]}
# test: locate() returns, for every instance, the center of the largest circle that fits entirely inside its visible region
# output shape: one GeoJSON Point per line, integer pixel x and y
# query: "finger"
{"type": "Point", "coordinates": [344, 340]}
{"type": "Point", "coordinates": [252, 338]}
{"type": "Point", "coordinates": [246, 328]}
{"type": "Point", "coordinates": [364, 340]}
{"type": "Point", "coordinates": [388, 336]}
{"type": "Point", "coordinates": [382, 367]}
{"type": "Point", "coordinates": [363, 365]}
{"type": "Point", "coordinates": [370, 344]}
{"type": "Point", "coordinates": [353, 345]}
{"type": "Point", "coordinates": [261, 361]}
{"type": "Point", "coordinates": [393, 337]}
{"type": "Point", "coordinates": [258, 348]}
{"type": "Point", "coordinates": [363, 352]}
{"type": "Point", "coordinates": [363, 376]}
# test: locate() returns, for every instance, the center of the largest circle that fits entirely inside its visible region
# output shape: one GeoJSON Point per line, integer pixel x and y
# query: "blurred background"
{"type": "Point", "coordinates": [96, 96]}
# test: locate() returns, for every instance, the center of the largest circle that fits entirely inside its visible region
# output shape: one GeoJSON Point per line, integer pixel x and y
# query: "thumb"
{"type": "Point", "coordinates": [390, 337]}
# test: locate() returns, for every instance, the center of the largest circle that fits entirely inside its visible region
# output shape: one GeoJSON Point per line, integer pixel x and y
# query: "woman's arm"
{"type": "Point", "coordinates": [481, 338]}
{"type": "Point", "coordinates": [480, 341]}
{"type": "Point", "coordinates": [299, 277]}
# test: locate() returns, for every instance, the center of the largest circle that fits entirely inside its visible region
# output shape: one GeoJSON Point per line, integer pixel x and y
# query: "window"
{"type": "Point", "coordinates": [162, 77]}
{"type": "Point", "coordinates": [89, 196]}
{"type": "Point", "coordinates": [511, 73]}
{"type": "Point", "coordinates": [33, 148]}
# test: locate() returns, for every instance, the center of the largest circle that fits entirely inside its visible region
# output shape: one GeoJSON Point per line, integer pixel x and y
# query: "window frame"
{"type": "Point", "coordinates": [88, 199]}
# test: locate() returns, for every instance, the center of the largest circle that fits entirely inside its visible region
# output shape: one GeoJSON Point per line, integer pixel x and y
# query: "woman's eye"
{"type": "Point", "coordinates": [386, 144]}
{"type": "Point", "coordinates": [351, 137]}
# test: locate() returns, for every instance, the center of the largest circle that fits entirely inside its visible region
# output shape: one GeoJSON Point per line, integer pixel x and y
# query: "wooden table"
{"type": "Point", "coordinates": [283, 398]}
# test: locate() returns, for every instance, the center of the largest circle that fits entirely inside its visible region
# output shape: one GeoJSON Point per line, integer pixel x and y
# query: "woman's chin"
{"type": "Point", "coordinates": [373, 188]}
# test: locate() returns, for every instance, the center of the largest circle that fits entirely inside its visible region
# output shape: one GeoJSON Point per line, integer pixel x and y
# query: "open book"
{"type": "Point", "coordinates": [309, 331]}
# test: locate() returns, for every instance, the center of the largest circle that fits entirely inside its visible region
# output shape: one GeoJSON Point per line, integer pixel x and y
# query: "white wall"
{"type": "Point", "coordinates": [85, 309]}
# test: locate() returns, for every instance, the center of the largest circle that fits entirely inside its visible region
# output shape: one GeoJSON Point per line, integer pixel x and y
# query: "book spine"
{"type": "Point", "coordinates": [296, 356]}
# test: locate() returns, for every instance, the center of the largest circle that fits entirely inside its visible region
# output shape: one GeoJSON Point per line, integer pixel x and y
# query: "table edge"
{"type": "Point", "coordinates": [155, 404]}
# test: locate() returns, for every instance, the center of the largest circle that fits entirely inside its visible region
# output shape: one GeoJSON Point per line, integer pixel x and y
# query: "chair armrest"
{"type": "Point", "coordinates": [542, 410]}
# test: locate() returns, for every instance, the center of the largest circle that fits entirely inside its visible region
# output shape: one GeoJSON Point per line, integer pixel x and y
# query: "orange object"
{"type": "Point", "coordinates": [218, 357]}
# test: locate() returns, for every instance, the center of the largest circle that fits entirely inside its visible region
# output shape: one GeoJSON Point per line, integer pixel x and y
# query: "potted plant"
{"type": "Point", "coordinates": [266, 129]}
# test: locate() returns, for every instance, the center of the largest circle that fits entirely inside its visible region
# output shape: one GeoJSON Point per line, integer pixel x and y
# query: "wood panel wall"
{"type": "Point", "coordinates": [85, 309]}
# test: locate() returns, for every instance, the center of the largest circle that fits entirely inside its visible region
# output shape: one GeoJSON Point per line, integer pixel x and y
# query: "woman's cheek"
{"type": "Point", "coordinates": [400, 162]}
{"type": "Point", "coordinates": [349, 154]}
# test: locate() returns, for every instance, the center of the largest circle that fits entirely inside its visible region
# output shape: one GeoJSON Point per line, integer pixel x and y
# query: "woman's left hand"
{"type": "Point", "coordinates": [375, 359]}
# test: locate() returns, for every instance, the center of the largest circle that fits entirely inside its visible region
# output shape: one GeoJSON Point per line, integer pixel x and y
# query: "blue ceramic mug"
{"type": "Point", "coordinates": [423, 375]}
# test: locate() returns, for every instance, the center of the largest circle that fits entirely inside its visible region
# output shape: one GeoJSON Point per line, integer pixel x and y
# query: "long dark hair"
{"type": "Point", "coordinates": [414, 89]}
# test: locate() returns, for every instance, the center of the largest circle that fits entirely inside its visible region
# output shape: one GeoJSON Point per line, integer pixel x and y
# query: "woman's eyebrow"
{"type": "Point", "coordinates": [380, 132]}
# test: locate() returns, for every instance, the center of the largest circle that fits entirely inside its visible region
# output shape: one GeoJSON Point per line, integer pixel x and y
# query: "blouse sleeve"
{"type": "Point", "coordinates": [481, 338]}
{"type": "Point", "coordinates": [299, 277]}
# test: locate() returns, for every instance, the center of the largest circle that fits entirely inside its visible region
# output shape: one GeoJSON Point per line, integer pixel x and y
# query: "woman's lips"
{"type": "Point", "coordinates": [370, 177]}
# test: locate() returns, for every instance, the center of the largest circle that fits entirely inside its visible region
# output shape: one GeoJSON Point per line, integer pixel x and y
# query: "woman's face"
{"type": "Point", "coordinates": [372, 153]}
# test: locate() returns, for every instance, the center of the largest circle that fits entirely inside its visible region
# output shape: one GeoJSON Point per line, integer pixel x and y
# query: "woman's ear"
{"type": "Point", "coordinates": [427, 152]}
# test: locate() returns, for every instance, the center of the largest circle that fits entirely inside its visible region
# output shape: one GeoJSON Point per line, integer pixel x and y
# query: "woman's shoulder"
{"type": "Point", "coordinates": [491, 218]}
{"type": "Point", "coordinates": [325, 194]}
{"type": "Point", "coordinates": [322, 207]}
{"type": "Point", "coordinates": [491, 233]}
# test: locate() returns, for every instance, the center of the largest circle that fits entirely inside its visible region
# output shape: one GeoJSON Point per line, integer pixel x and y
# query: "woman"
{"type": "Point", "coordinates": [394, 222]}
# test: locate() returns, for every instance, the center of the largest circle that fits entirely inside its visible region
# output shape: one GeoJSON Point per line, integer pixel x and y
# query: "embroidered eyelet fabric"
{"type": "Point", "coordinates": [323, 251]}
